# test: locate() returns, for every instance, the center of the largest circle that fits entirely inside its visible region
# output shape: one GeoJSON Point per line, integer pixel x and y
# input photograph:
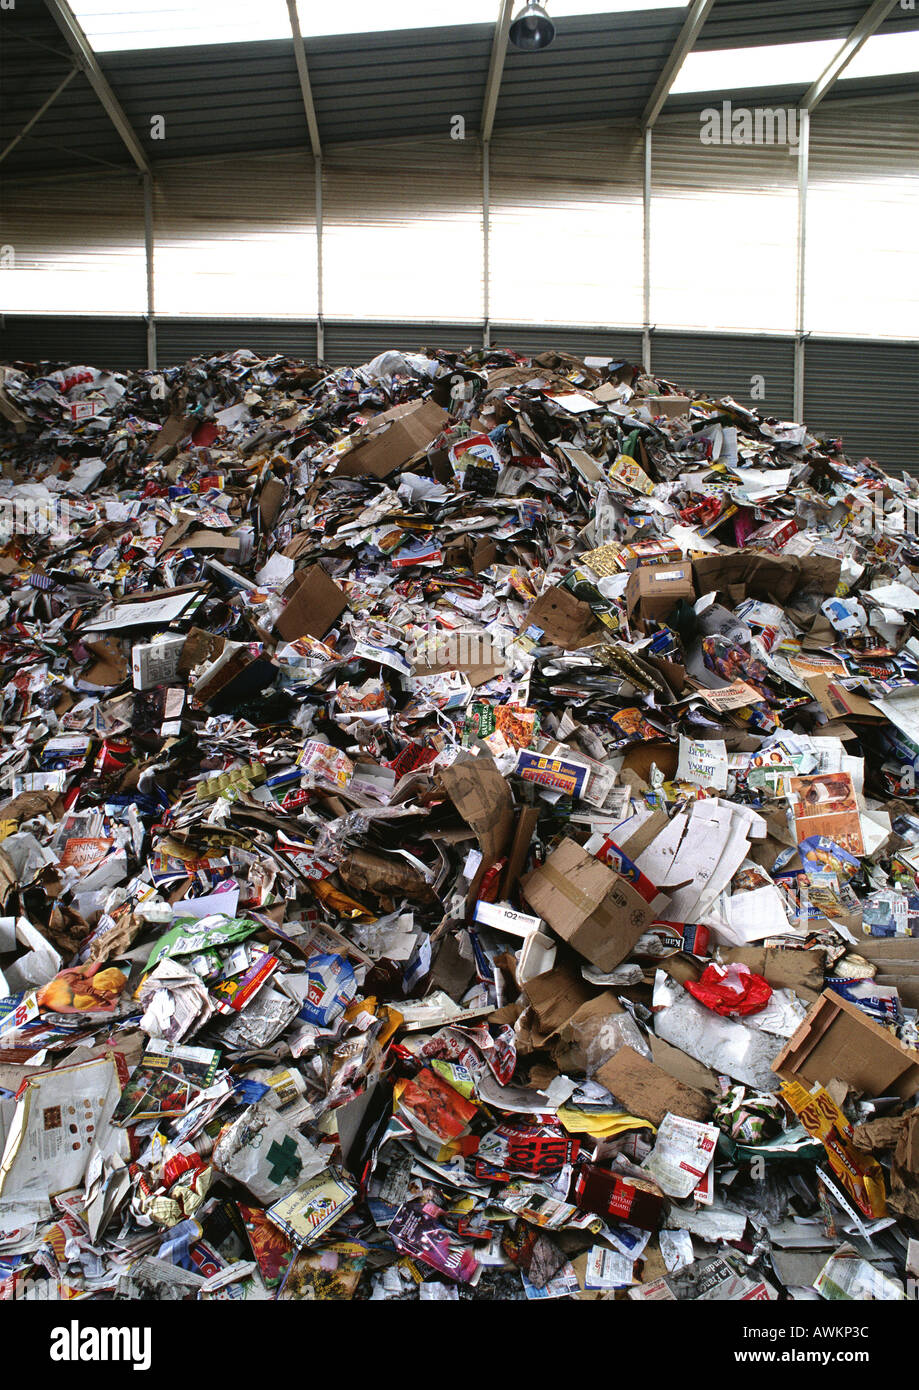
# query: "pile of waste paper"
{"type": "Point", "coordinates": [459, 838]}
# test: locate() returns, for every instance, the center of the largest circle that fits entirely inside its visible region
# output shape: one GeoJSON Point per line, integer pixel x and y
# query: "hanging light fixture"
{"type": "Point", "coordinates": [532, 29]}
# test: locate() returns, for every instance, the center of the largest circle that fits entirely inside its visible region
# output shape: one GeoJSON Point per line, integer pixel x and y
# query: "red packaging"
{"type": "Point", "coordinates": [603, 1193]}
{"type": "Point", "coordinates": [732, 992]}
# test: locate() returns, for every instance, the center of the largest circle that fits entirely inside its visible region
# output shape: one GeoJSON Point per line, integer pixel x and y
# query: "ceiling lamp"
{"type": "Point", "coordinates": [532, 29]}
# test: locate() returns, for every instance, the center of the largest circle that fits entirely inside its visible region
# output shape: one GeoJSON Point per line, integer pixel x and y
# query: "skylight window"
{"type": "Point", "coordinates": [771, 65]}
{"type": "Point", "coordinates": [120, 25]}
{"type": "Point", "coordinates": [884, 55]}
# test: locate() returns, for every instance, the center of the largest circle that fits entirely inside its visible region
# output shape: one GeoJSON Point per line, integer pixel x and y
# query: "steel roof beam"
{"type": "Point", "coordinates": [39, 113]}
{"type": "Point", "coordinates": [496, 68]}
{"type": "Point", "coordinates": [306, 91]}
{"type": "Point", "coordinates": [869, 23]}
{"type": "Point", "coordinates": [692, 27]}
{"type": "Point", "coordinates": [89, 64]}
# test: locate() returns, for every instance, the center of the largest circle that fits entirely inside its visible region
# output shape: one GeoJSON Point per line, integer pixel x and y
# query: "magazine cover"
{"type": "Point", "coordinates": [165, 1081]}
{"type": "Point", "coordinates": [826, 805]}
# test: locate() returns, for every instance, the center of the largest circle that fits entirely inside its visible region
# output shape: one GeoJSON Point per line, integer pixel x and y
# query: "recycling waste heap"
{"type": "Point", "coordinates": [459, 838]}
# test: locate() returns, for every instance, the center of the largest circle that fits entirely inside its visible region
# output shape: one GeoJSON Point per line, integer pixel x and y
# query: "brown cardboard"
{"type": "Point", "coordinates": [174, 430]}
{"type": "Point", "coordinates": [452, 972]}
{"type": "Point", "coordinates": [800, 971]}
{"type": "Point", "coordinates": [639, 840]}
{"type": "Point", "coordinates": [240, 677]}
{"type": "Point", "coordinates": [199, 646]}
{"type": "Point", "coordinates": [479, 659]}
{"type": "Point", "coordinates": [640, 756]}
{"type": "Point", "coordinates": [554, 997]}
{"type": "Point", "coordinates": [681, 1066]}
{"type": "Point", "coordinates": [564, 619]}
{"type": "Point", "coordinates": [672, 407]}
{"type": "Point", "coordinates": [837, 1039]}
{"type": "Point", "coordinates": [772, 578]}
{"type": "Point", "coordinates": [646, 1090]}
{"type": "Point", "coordinates": [653, 590]}
{"type": "Point", "coordinates": [314, 601]}
{"type": "Point", "coordinates": [111, 666]}
{"type": "Point", "coordinates": [527, 818]}
{"type": "Point", "coordinates": [889, 948]}
{"type": "Point", "coordinates": [839, 703]}
{"type": "Point", "coordinates": [392, 439]}
{"type": "Point", "coordinates": [363, 872]}
{"type": "Point", "coordinates": [269, 501]}
{"type": "Point", "coordinates": [573, 1043]}
{"type": "Point", "coordinates": [589, 905]}
{"type": "Point", "coordinates": [483, 799]}
{"type": "Point", "coordinates": [206, 540]}
{"type": "Point", "coordinates": [877, 1135]}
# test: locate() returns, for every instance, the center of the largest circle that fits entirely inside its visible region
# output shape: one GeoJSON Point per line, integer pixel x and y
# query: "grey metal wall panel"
{"type": "Point", "coordinates": [78, 246]}
{"type": "Point", "coordinates": [862, 272]}
{"type": "Point", "coordinates": [402, 231]}
{"type": "Point", "coordinates": [725, 366]}
{"type": "Point", "coordinates": [621, 344]}
{"type": "Point", "coordinates": [115, 343]}
{"type": "Point", "coordinates": [177, 339]}
{"type": "Point", "coordinates": [350, 343]}
{"type": "Point", "coordinates": [236, 236]}
{"type": "Point", "coordinates": [566, 225]}
{"type": "Point", "coordinates": [869, 394]}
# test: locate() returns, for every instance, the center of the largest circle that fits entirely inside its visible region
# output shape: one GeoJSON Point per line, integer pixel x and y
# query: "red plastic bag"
{"type": "Point", "coordinates": [731, 991]}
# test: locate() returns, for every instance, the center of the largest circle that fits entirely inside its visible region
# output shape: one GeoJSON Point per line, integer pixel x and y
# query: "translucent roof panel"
{"type": "Point", "coordinates": [769, 65]}
{"type": "Point", "coordinates": [120, 25]}
{"type": "Point", "coordinates": [883, 55]}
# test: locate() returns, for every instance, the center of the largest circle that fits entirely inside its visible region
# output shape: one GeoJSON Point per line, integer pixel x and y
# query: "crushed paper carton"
{"type": "Point", "coordinates": [648, 1090]}
{"type": "Point", "coordinates": [325, 743]}
{"type": "Point", "coordinates": [313, 602]}
{"type": "Point", "coordinates": [591, 907]}
{"type": "Point", "coordinates": [392, 439]}
{"type": "Point", "coordinates": [654, 590]}
{"type": "Point", "coordinates": [838, 1040]}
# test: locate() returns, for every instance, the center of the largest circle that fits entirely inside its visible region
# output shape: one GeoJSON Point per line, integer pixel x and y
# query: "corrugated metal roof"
{"type": "Point", "coordinates": [33, 59]}
{"type": "Point", "coordinates": [404, 83]}
{"type": "Point", "coordinates": [245, 97]}
{"type": "Point", "coordinates": [743, 24]}
{"type": "Point", "coordinates": [599, 66]}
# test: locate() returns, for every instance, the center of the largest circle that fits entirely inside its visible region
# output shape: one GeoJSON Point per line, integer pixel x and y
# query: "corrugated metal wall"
{"type": "Point", "coordinates": [119, 343]}
{"type": "Point", "coordinates": [177, 339]}
{"type": "Point", "coordinates": [77, 246]}
{"type": "Point", "coordinates": [348, 342]}
{"type": "Point", "coordinates": [869, 394]}
{"type": "Point", "coordinates": [862, 274]}
{"type": "Point", "coordinates": [866, 392]}
{"type": "Point", "coordinates": [619, 344]}
{"type": "Point", "coordinates": [236, 237]}
{"type": "Point", "coordinates": [402, 230]}
{"type": "Point", "coordinates": [737, 365]}
{"type": "Point", "coordinates": [723, 231]}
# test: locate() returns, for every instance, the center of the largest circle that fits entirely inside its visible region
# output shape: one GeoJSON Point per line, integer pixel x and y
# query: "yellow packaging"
{"type": "Point", "coordinates": [860, 1175]}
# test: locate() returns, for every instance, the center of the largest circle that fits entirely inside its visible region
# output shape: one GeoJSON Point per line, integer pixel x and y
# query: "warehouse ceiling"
{"type": "Point", "coordinates": [245, 96]}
